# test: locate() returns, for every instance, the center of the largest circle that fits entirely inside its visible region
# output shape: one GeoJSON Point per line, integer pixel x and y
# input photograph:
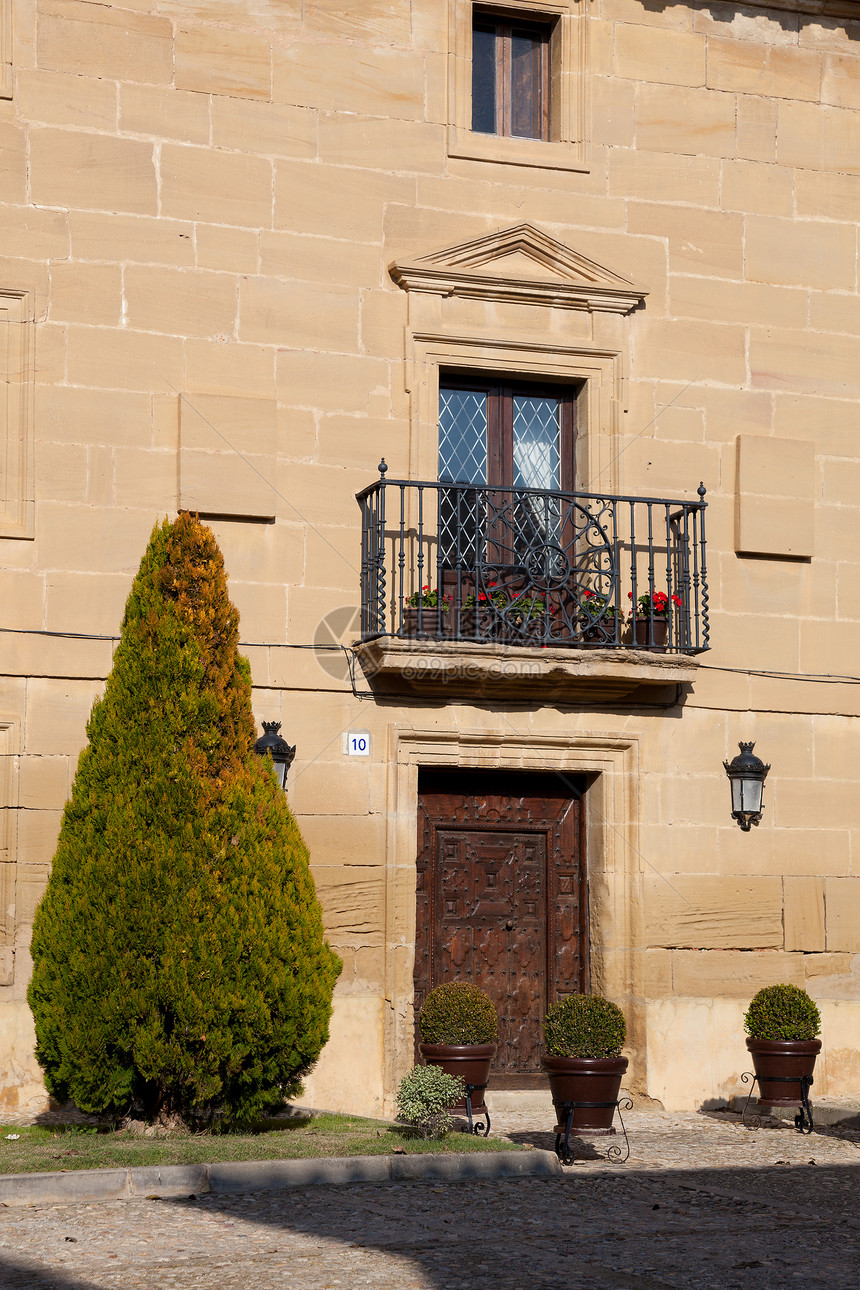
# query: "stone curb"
{"type": "Point", "coordinates": [171, 1181]}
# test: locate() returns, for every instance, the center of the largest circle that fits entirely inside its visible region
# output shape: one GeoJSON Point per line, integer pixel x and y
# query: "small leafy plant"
{"type": "Point", "coordinates": [594, 606]}
{"type": "Point", "coordinates": [584, 1025]}
{"type": "Point", "coordinates": [424, 1097]}
{"type": "Point", "coordinates": [427, 599]}
{"type": "Point", "coordinates": [521, 602]}
{"type": "Point", "coordinates": [655, 604]}
{"type": "Point", "coordinates": [457, 1013]}
{"type": "Point", "coordinates": [494, 596]}
{"type": "Point", "coordinates": [527, 604]}
{"type": "Point", "coordinates": [782, 1012]}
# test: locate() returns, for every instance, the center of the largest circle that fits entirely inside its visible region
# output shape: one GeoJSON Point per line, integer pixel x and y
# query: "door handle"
{"type": "Point", "coordinates": [509, 925]}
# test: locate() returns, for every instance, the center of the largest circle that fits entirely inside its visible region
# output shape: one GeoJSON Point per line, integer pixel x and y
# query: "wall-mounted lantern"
{"type": "Point", "coordinates": [747, 774]}
{"type": "Point", "coordinates": [271, 744]}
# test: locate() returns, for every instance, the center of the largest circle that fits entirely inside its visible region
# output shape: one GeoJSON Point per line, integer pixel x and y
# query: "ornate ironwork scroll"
{"type": "Point", "coordinates": [614, 1153]}
{"type": "Point", "coordinates": [532, 567]}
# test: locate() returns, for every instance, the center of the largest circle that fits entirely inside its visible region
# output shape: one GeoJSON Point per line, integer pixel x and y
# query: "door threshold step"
{"type": "Point", "coordinates": [501, 1100]}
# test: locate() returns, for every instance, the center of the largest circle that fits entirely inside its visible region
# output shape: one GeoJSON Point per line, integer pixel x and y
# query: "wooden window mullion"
{"type": "Point", "coordinates": [503, 81]}
{"type": "Point", "coordinates": [495, 437]}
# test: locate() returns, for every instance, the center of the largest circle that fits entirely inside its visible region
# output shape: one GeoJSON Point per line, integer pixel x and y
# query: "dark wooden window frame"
{"type": "Point", "coordinates": [505, 25]}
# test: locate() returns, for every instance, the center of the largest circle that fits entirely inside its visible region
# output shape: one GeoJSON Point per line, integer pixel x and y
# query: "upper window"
{"type": "Point", "coordinates": [517, 82]}
{"type": "Point", "coordinates": [510, 77]}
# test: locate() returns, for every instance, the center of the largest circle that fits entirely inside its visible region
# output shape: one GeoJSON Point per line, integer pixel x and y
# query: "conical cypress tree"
{"type": "Point", "coordinates": [180, 969]}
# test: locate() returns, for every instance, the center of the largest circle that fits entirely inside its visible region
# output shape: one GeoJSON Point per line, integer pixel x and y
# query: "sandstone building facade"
{"type": "Point", "coordinates": [538, 257]}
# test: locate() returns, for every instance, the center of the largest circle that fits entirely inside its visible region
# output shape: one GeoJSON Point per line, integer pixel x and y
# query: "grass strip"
{"type": "Point", "coordinates": [55, 1148]}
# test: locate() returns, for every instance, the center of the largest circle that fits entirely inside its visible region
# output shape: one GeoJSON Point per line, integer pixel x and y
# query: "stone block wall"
{"type": "Point", "coordinates": [200, 204]}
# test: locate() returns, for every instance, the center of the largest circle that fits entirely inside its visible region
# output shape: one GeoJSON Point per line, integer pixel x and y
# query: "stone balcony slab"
{"type": "Point", "coordinates": [489, 669]}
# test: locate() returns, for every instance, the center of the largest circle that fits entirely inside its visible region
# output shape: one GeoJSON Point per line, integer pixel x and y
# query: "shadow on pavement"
{"type": "Point", "coordinates": [606, 1228]}
{"type": "Point", "coordinates": [28, 1274]}
{"type": "Point", "coordinates": [616, 1229]}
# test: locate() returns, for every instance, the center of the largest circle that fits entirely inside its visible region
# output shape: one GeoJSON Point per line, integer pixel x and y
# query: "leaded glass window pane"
{"type": "Point", "coordinates": [462, 436]}
{"type": "Point", "coordinates": [537, 464]}
{"type": "Point", "coordinates": [462, 460]}
{"type": "Point", "coordinates": [537, 425]}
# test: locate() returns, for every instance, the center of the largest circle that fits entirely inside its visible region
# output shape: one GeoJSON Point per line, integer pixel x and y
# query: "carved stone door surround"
{"type": "Point", "coordinates": [611, 763]}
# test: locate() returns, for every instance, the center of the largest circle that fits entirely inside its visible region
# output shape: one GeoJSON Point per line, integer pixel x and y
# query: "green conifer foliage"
{"type": "Point", "coordinates": [180, 969]}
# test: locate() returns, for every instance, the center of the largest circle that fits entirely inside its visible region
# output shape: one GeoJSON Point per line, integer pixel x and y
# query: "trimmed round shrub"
{"type": "Point", "coordinates": [423, 1099]}
{"type": "Point", "coordinates": [782, 1012]}
{"type": "Point", "coordinates": [584, 1025]}
{"type": "Point", "coordinates": [180, 968]}
{"type": "Point", "coordinates": [458, 1013]}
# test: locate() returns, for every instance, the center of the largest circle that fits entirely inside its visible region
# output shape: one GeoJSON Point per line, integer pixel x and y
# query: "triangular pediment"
{"type": "Point", "coordinates": [521, 264]}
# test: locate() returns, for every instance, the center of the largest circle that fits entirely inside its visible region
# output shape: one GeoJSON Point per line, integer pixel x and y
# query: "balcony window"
{"type": "Point", "coordinates": [517, 435]}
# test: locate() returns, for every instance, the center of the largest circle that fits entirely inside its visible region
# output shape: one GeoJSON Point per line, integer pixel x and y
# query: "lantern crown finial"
{"type": "Point", "coordinates": [272, 744]}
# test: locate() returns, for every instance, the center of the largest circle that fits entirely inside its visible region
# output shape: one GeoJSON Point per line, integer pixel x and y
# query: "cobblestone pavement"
{"type": "Point", "coordinates": [702, 1203]}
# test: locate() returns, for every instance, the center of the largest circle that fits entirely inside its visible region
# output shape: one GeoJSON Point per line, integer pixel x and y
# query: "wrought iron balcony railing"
{"type": "Point", "coordinates": [528, 567]}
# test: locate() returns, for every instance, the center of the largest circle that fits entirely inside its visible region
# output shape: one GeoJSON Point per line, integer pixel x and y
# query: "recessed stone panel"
{"type": "Point", "coordinates": [774, 496]}
{"type": "Point", "coordinates": [227, 456]}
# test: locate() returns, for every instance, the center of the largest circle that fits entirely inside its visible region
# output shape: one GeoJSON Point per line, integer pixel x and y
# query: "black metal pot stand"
{"type": "Point", "coordinates": [562, 1136]}
{"type": "Point", "coordinates": [477, 1126]}
{"type": "Point", "coordinates": [803, 1121]}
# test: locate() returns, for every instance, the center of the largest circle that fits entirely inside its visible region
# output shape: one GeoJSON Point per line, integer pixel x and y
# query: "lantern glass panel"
{"type": "Point", "coordinates": [753, 790]}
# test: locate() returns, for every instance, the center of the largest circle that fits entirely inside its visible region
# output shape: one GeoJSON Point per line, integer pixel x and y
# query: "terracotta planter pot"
{"type": "Point", "coordinates": [468, 624]}
{"type": "Point", "coordinates": [429, 622]}
{"type": "Point", "coordinates": [470, 1061]}
{"type": "Point", "coordinates": [599, 635]}
{"type": "Point", "coordinates": [651, 633]}
{"type": "Point", "coordinates": [489, 625]}
{"type": "Point", "coordinates": [585, 1079]}
{"type": "Point", "coordinates": [783, 1058]}
{"type": "Point", "coordinates": [525, 630]}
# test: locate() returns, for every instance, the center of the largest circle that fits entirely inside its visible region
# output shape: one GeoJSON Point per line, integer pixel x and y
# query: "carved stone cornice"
{"type": "Point", "coordinates": [520, 265]}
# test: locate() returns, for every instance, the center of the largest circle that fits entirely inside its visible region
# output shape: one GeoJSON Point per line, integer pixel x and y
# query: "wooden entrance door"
{"type": "Point", "coordinates": [501, 899]}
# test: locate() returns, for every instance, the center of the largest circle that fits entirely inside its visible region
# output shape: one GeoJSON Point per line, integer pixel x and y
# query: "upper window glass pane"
{"type": "Point", "coordinates": [484, 79]}
{"type": "Point", "coordinates": [462, 436]}
{"type": "Point", "coordinates": [537, 432]}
